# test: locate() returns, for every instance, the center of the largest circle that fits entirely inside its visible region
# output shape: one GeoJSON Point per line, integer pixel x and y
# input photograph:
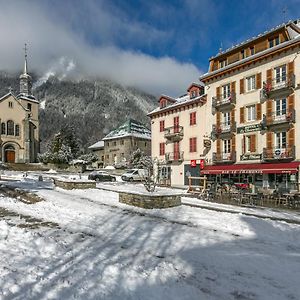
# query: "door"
{"type": "Point", "coordinates": [10, 156]}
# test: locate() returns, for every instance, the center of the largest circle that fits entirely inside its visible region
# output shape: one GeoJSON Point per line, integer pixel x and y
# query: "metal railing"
{"type": "Point", "coordinates": [284, 153]}
{"type": "Point", "coordinates": [174, 156]}
{"type": "Point", "coordinates": [224, 99]}
{"type": "Point", "coordinates": [222, 157]}
{"type": "Point", "coordinates": [280, 117]}
{"type": "Point", "coordinates": [174, 132]}
{"type": "Point", "coordinates": [222, 128]}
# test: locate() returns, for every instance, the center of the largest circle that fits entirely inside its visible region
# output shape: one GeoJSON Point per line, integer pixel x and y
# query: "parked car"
{"type": "Point", "coordinates": [101, 176]}
{"type": "Point", "coordinates": [134, 175]}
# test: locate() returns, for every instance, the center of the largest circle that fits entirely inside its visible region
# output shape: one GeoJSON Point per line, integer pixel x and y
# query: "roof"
{"type": "Point", "coordinates": [130, 128]}
{"type": "Point", "coordinates": [98, 145]}
{"type": "Point", "coordinates": [200, 85]}
{"type": "Point", "coordinates": [294, 24]}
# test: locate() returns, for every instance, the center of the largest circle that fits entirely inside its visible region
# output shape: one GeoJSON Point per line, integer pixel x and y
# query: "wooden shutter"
{"type": "Point", "coordinates": [242, 86]}
{"type": "Point", "coordinates": [218, 119]}
{"type": "Point", "coordinates": [291, 137]}
{"type": "Point", "coordinates": [253, 143]}
{"type": "Point", "coordinates": [232, 116]}
{"type": "Point", "coordinates": [291, 103]}
{"type": "Point", "coordinates": [269, 111]}
{"type": "Point", "coordinates": [218, 146]}
{"type": "Point", "coordinates": [244, 144]}
{"type": "Point", "coordinates": [233, 143]}
{"type": "Point", "coordinates": [242, 114]}
{"type": "Point", "coordinates": [258, 111]}
{"type": "Point", "coordinates": [269, 140]}
{"type": "Point", "coordinates": [290, 68]}
{"type": "Point", "coordinates": [258, 81]}
{"type": "Point", "coordinates": [269, 76]}
{"type": "Point", "coordinates": [218, 89]}
{"type": "Point", "coordinates": [232, 87]}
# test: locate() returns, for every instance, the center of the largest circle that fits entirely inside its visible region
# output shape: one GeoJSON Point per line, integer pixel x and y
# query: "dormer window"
{"type": "Point", "coordinates": [223, 63]}
{"type": "Point", "coordinates": [243, 55]}
{"type": "Point", "coordinates": [163, 103]}
{"type": "Point", "coordinates": [274, 41]}
{"type": "Point", "coordinates": [252, 52]}
{"type": "Point", "coordinates": [193, 94]}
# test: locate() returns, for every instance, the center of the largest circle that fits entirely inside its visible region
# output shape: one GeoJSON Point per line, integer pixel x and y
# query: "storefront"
{"type": "Point", "coordinates": [270, 176]}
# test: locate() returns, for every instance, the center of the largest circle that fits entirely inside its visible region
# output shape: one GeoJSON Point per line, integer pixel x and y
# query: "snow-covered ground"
{"type": "Point", "coordinates": [103, 249]}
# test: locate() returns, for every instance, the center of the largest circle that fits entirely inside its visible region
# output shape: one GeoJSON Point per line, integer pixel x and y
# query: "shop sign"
{"type": "Point", "coordinates": [201, 164]}
{"type": "Point", "coordinates": [207, 143]}
{"type": "Point", "coordinates": [193, 163]}
{"type": "Point", "coordinates": [249, 156]}
{"type": "Point", "coordinates": [249, 128]}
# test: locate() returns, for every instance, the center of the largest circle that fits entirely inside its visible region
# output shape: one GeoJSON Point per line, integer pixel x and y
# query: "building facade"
{"type": "Point", "coordinates": [252, 91]}
{"type": "Point", "coordinates": [19, 119]}
{"type": "Point", "coordinates": [117, 147]}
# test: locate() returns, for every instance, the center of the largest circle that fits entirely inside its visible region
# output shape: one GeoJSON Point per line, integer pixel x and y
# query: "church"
{"type": "Point", "coordinates": [19, 119]}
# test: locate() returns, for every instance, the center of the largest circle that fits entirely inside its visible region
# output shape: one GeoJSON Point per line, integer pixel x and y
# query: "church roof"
{"type": "Point", "coordinates": [130, 128]}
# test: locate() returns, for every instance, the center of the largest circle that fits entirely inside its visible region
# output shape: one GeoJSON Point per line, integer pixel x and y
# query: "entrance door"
{"type": "Point", "coordinates": [10, 156]}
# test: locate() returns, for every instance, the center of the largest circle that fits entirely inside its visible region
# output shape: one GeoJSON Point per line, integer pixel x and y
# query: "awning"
{"type": "Point", "coordinates": [279, 168]}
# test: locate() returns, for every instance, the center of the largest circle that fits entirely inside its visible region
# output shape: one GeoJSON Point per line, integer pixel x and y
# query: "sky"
{"type": "Point", "coordinates": [159, 46]}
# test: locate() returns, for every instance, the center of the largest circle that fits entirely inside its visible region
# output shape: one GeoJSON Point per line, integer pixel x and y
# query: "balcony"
{"type": "Point", "coordinates": [222, 157]}
{"type": "Point", "coordinates": [278, 85]}
{"type": "Point", "coordinates": [174, 134]}
{"type": "Point", "coordinates": [223, 129]}
{"type": "Point", "coordinates": [224, 100]}
{"type": "Point", "coordinates": [174, 157]}
{"type": "Point", "coordinates": [271, 154]}
{"type": "Point", "coordinates": [279, 118]}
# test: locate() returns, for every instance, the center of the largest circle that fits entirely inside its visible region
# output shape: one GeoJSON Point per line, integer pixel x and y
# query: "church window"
{"type": "Point", "coordinates": [17, 130]}
{"type": "Point", "coordinates": [29, 106]}
{"type": "Point", "coordinates": [10, 128]}
{"type": "Point", "coordinates": [10, 104]}
{"type": "Point", "coordinates": [3, 128]}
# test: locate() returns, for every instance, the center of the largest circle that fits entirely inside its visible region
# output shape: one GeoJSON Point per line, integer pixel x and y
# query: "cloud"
{"type": "Point", "coordinates": [57, 43]}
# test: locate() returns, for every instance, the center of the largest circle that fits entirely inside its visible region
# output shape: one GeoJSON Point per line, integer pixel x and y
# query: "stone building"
{"type": "Point", "coordinates": [19, 119]}
{"type": "Point", "coordinates": [120, 143]}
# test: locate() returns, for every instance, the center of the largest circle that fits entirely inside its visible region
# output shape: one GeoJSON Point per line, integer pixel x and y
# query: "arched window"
{"type": "Point", "coordinates": [10, 127]}
{"type": "Point", "coordinates": [17, 130]}
{"type": "Point", "coordinates": [3, 128]}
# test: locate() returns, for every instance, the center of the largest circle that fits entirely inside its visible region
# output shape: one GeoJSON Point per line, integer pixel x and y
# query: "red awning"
{"type": "Point", "coordinates": [280, 168]}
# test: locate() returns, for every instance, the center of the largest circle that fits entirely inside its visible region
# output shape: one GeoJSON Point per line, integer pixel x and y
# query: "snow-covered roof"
{"type": "Point", "coordinates": [130, 128]}
{"type": "Point", "coordinates": [98, 145]}
{"type": "Point", "coordinates": [30, 98]}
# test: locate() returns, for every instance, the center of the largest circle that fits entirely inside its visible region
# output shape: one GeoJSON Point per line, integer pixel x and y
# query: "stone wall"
{"type": "Point", "coordinates": [70, 185]}
{"type": "Point", "coordinates": [150, 201]}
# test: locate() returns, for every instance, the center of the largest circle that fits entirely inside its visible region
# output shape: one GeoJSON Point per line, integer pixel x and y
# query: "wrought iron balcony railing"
{"type": "Point", "coordinates": [285, 153]}
{"type": "Point", "coordinates": [223, 128]}
{"type": "Point", "coordinates": [222, 157]}
{"type": "Point", "coordinates": [174, 156]}
{"type": "Point", "coordinates": [280, 117]}
{"type": "Point", "coordinates": [174, 133]}
{"type": "Point", "coordinates": [224, 99]}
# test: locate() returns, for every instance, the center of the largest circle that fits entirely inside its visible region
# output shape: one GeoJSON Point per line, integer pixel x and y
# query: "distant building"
{"type": "Point", "coordinates": [117, 147]}
{"type": "Point", "coordinates": [19, 119]}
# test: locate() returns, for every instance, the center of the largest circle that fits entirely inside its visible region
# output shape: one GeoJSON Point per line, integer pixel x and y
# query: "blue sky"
{"type": "Point", "coordinates": [159, 46]}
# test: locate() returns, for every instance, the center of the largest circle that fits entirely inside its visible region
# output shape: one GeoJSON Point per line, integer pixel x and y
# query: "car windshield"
{"type": "Point", "coordinates": [130, 171]}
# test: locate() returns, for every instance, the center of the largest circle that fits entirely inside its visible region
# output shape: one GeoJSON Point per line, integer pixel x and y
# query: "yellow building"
{"type": "Point", "coordinates": [19, 119]}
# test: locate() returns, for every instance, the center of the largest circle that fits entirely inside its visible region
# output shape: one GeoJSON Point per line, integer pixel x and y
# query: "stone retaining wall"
{"type": "Point", "coordinates": [150, 201]}
{"type": "Point", "coordinates": [70, 185]}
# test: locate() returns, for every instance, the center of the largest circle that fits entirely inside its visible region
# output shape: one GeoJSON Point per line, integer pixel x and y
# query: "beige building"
{"type": "Point", "coordinates": [117, 147]}
{"type": "Point", "coordinates": [19, 119]}
{"type": "Point", "coordinates": [250, 113]}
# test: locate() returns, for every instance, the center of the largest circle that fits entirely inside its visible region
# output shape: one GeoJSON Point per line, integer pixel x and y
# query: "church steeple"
{"type": "Point", "coordinates": [25, 78]}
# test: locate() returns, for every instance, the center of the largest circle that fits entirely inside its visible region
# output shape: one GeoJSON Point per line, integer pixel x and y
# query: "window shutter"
{"type": "Point", "coordinates": [242, 114]}
{"type": "Point", "coordinates": [290, 68]}
{"type": "Point", "coordinates": [244, 144]}
{"type": "Point", "coordinates": [269, 76]}
{"type": "Point", "coordinates": [291, 103]}
{"type": "Point", "coordinates": [242, 86]}
{"type": "Point", "coordinates": [269, 111]}
{"type": "Point", "coordinates": [258, 81]}
{"type": "Point", "coordinates": [253, 143]}
{"type": "Point", "coordinates": [269, 140]}
{"type": "Point", "coordinates": [218, 118]}
{"type": "Point", "coordinates": [258, 111]}
{"type": "Point", "coordinates": [232, 116]}
{"type": "Point", "coordinates": [291, 137]}
{"type": "Point", "coordinates": [218, 92]}
{"type": "Point", "coordinates": [218, 146]}
{"type": "Point", "coordinates": [232, 87]}
{"type": "Point", "coordinates": [233, 143]}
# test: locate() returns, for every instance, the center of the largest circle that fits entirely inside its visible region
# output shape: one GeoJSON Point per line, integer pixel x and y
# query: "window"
{"type": "Point", "coordinates": [250, 83]}
{"type": "Point", "coordinates": [243, 54]}
{"type": "Point", "coordinates": [223, 63]}
{"type": "Point", "coordinates": [280, 74]}
{"type": "Point", "coordinates": [3, 128]}
{"type": "Point", "coordinates": [226, 91]}
{"type": "Point", "coordinates": [10, 128]}
{"type": "Point", "coordinates": [122, 142]}
{"type": "Point", "coordinates": [163, 103]}
{"type": "Point", "coordinates": [193, 118]}
{"type": "Point", "coordinates": [274, 41]}
{"type": "Point", "coordinates": [176, 124]}
{"type": "Point", "coordinates": [280, 107]}
{"type": "Point", "coordinates": [17, 130]}
{"type": "Point", "coordinates": [251, 113]}
{"type": "Point", "coordinates": [145, 144]}
{"type": "Point", "coordinates": [108, 144]}
{"type": "Point", "coordinates": [193, 144]}
{"type": "Point", "coordinates": [226, 118]}
{"type": "Point", "coordinates": [107, 156]}
{"type": "Point", "coordinates": [161, 126]}
{"type": "Point", "coordinates": [249, 143]}
{"type": "Point", "coordinates": [193, 94]}
{"type": "Point", "coordinates": [115, 143]}
{"type": "Point", "coordinates": [29, 106]}
{"type": "Point", "coordinates": [252, 51]}
{"type": "Point", "coordinates": [280, 140]}
{"type": "Point", "coordinates": [122, 154]}
{"type": "Point", "coordinates": [226, 146]}
{"type": "Point", "coordinates": [10, 104]}
{"type": "Point", "coordinates": [161, 148]}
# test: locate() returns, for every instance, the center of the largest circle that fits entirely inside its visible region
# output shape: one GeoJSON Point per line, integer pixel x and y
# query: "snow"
{"type": "Point", "coordinates": [98, 145]}
{"type": "Point", "coordinates": [104, 249]}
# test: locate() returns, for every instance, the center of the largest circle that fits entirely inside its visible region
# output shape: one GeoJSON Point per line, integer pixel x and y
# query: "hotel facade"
{"type": "Point", "coordinates": [247, 122]}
